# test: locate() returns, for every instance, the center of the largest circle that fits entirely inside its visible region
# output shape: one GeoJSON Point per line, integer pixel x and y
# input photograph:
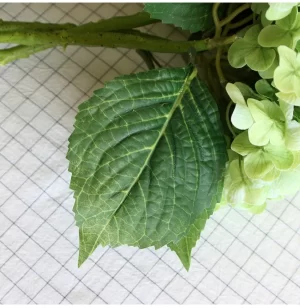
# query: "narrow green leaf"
{"type": "Point", "coordinates": [146, 156]}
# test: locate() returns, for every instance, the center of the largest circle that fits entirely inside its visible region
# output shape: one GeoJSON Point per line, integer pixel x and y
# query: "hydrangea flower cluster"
{"type": "Point", "coordinates": [264, 156]}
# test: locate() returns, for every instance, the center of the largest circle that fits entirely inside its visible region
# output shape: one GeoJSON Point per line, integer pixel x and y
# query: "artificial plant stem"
{"type": "Point", "coordinates": [118, 23]}
{"type": "Point", "coordinates": [110, 39]}
{"type": "Point", "coordinates": [19, 52]}
{"type": "Point", "coordinates": [8, 26]}
{"type": "Point", "coordinates": [218, 66]}
{"type": "Point", "coordinates": [228, 119]}
{"type": "Point", "coordinates": [235, 13]}
{"type": "Point", "coordinates": [240, 23]}
{"type": "Point", "coordinates": [230, 8]}
{"type": "Point", "coordinates": [216, 20]}
{"type": "Point", "coordinates": [218, 31]}
{"type": "Point", "coordinates": [112, 24]}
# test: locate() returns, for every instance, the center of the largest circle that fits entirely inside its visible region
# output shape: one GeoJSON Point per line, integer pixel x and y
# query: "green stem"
{"type": "Point", "coordinates": [241, 169]}
{"type": "Point", "coordinates": [228, 119]}
{"type": "Point", "coordinates": [230, 8]}
{"type": "Point", "coordinates": [8, 26]}
{"type": "Point", "coordinates": [112, 24]}
{"type": "Point", "coordinates": [219, 67]}
{"type": "Point", "coordinates": [235, 13]}
{"type": "Point", "coordinates": [241, 22]}
{"type": "Point", "coordinates": [110, 39]}
{"type": "Point", "coordinates": [117, 23]}
{"type": "Point", "coordinates": [20, 52]}
{"type": "Point", "coordinates": [218, 27]}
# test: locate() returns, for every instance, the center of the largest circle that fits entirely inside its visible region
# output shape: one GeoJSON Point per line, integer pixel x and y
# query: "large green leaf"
{"type": "Point", "coordinates": [188, 16]}
{"type": "Point", "coordinates": [184, 247]}
{"type": "Point", "coordinates": [146, 157]}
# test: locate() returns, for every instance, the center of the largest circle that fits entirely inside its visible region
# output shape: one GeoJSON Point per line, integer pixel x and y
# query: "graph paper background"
{"type": "Point", "coordinates": [239, 259]}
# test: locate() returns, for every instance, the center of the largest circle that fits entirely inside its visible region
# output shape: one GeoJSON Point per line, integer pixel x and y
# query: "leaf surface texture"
{"type": "Point", "coordinates": [188, 16]}
{"type": "Point", "coordinates": [146, 156]}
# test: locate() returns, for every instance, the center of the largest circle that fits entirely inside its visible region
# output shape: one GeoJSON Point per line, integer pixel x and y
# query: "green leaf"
{"type": "Point", "coordinates": [183, 249]}
{"type": "Point", "coordinates": [188, 16]}
{"type": "Point", "coordinates": [146, 157]}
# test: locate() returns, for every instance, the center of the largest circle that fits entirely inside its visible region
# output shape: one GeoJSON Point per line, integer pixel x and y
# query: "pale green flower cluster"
{"type": "Point", "coordinates": [264, 157]}
{"type": "Point", "coordinates": [278, 25]}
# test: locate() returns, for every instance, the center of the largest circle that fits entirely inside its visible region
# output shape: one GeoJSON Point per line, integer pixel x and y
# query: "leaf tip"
{"type": "Point", "coordinates": [185, 258]}
{"type": "Point", "coordinates": [81, 260]}
{"type": "Point", "coordinates": [187, 265]}
{"type": "Point", "coordinates": [83, 253]}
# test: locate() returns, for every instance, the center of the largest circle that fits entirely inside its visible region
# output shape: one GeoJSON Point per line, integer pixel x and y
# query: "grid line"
{"type": "Point", "coordinates": [172, 284]}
